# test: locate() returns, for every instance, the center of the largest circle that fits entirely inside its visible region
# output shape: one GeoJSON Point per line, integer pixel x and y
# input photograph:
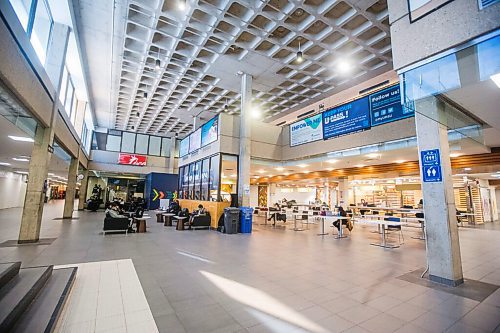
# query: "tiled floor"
{"type": "Point", "coordinates": [275, 280]}
{"type": "Point", "coordinates": [106, 296]}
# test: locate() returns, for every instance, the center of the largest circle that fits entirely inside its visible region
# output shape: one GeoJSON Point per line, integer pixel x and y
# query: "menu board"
{"type": "Point", "coordinates": [209, 131]}
{"type": "Point", "coordinates": [195, 140]}
{"type": "Point", "coordinates": [306, 130]}
{"type": "Point", "coordinates": [346, 118]}
{"type": "Point", "coordinates": [184, 147]}
{"type": "Point", "coordinates": [385, 106]}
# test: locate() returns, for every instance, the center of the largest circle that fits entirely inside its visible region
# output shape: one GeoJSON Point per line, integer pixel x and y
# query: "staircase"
{"type": "Point", "coordinates": [31, 299]}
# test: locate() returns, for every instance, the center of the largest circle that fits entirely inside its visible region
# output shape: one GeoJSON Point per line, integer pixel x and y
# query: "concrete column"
{"type": "Point", "coordinates": [83, 189]}
{"type": "Point", "coordinates": [443, 248]}
{"type": "Point", "coordinates": [343, 197]}
{"type": "Point", "coordinates": [69, 201]}
{"type": "Point", "coordinates": [245, 141]}
{"type": "Point", "coordinates": [31, 219]}
{"type": "Point", "coordinates": [171, 160]}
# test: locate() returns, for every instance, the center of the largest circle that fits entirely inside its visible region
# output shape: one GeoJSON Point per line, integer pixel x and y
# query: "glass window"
{"type": "Point", "coordinates": [179, 186]}
{"type": "Point", "coordinates": [113, 143]}
{"type": "Point", "coordinates": [73, 109]}
{"type": "Point", "coordinates": [191, 181]}
{"type": "Point", "coordinates": [197, 181]}
{"type": "Point", "coordinates": [204, 179]}
{"type": "Point", "coordinates": [165, 147]}
{"type": "Point", "coordinates": [154, 145]}
{"type": "Point", "coordinates": [185, 182]}
{"type": "Point", "coordinates": [141, 144]}
{"type": "Point", "coordinates": [22, 9]}
{"type": "Point", "coordinates": [128, 142]}
{"type": "Point", "coordinates": [42, 26]}
{"type": "Point", "coordinates": [64, 85]}
{"type": "Point", "coordinates": [213, 181]}
{"type": "Point", "coordinates": [68, 101]}
{"type": "Point", "coordinates": [229, 177]}
{"type": "Point", "coordinates": [84, 134]}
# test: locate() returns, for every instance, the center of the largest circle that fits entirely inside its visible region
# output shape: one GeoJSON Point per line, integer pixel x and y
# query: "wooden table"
{"type": "Point", "coordinates": [159, 217]}
{"type": "Point", "coordinates": [168, 219]}
{"type": "Point", "coordinates": [140, 223]}
{"type": "Point", "coordinates": [180, 222]}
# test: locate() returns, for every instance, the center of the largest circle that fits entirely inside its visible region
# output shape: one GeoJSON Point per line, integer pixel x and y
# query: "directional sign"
{"type": "Point", "coordinates": [431, 166]}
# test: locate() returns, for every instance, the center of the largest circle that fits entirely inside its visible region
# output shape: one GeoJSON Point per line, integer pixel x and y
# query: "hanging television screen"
{"type": "Point", "coordinates": [306, 130]}
{"type": "Point", "coordinates": [385, 106]}
{"type": "Point", "coordinates": [184, 147]}
{"type": "Point", "coordinates": [210, 131]}
{"type": "Point", "coordinates": [195, 140]}
{"type": "Point", "coordinates": [346, 118]}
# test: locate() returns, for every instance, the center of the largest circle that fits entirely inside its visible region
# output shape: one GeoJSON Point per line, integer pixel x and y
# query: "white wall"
{"type": "Point", "coordinates": [12, 189]}
{"type": "Point", "coordinates": [300, 197]}
{"type": "Point", "coordinates": [254, 195]}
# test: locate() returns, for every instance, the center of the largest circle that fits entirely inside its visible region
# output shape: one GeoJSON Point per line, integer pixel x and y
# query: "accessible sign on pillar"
{"type": "Point", "coordinates": [431, 166]}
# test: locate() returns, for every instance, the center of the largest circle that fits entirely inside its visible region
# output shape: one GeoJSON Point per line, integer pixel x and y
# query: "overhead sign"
{"type": "Point", "coordinates": [306, 130]}
{"type": "Point", "coordinates": [385, 106]}
{"type": "Point", "coordinates": [184, 147]}
{"type": "Point", "coordinates": [195, 141]}
{"type": "Point", "coordinates": [346, 118]}
{"type": "Point", "coordinates": [132, 159]}
{"type": "Point", "coordinates": [209, 131]}
{"type": "Point", "coordinates": [431, 166]}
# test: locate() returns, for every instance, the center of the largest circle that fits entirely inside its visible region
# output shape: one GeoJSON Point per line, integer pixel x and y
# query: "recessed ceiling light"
{"type": "Point", "coordinates": [359, 165]}
{"type": "Point", "coordinates": [4, 163]}
{"type": "Point", "coordinates": [279, 169]}
{"type": "Point", "coordinates": [455, 154]}
{"type": "Point", "coordinates": [399, 161]}
{"type": "Point", "coordinates": [22, 172]}
{"type": "Point", "coordinates": [467, 169]}
{"type": "Point", "coordinates": [260, 171]}
{"type": "Point", "coordinates": [269, 175]}
{"type": "Point", "coordinates": [255, 113]}
{"type": "Point", "coordinates": [496, 78]}
{"type": "Point", "coordinates": [182, 4]}
{"type": "Point", "coordinates": [157, 64]}
{"type": "Point", "coordinates": [302, 165]}
{"type": "Point", "coordinates": [20, 159]}
{"type": "Point", "coordinates": [306, 171]}
{"type": "Point", "coordinates": [330, 169]}
{"type": "Point", "coordinates": [233, 175]}
{"type": "Point", "coordinates": [21, 138]}
{"type": "Point", "coordinates": [286, 174]}
{"type": "Point", "coordinates": [344, 66]}
{"type": "Point", "coordinates": [373, 155]}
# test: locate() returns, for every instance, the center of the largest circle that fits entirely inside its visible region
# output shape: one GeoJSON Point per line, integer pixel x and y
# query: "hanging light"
{"type": "Point", "coordinates": [226, 107]}
{"type": "Point", "coordinates": [300, 56]}
{"type": "Point", "coordinates": [157, 64]}
{"type": "Point", "coordinates": [145, 95]}
{"type": "Point", "coordinates": [138, 114]}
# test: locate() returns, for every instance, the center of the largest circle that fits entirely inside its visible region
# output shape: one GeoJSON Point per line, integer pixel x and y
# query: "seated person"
{"type": "Point", "coordinates": [273, 215]}
{"type": "Point", "coordinates": [174, 207]}
{"type": "Point", "coordinates": [363, 204]}
{"type": "Point", "coordinates": [199, 212]}
{"type": "Point", "coordinates": [113, 211]}
{"type": "Point", "coordinates": [338, 224]}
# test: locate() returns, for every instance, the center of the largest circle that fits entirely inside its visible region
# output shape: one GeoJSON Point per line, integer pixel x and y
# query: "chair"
{"type": "Point", "coordinates": [201, 221]}
{"type": "Point", "coordinates": [112, 224]}
{"type": "Point", "coordinates": [395, 227]}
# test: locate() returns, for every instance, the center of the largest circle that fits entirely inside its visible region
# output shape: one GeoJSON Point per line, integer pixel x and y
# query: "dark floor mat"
{"type": "Point", "coordinates": [41, 241]}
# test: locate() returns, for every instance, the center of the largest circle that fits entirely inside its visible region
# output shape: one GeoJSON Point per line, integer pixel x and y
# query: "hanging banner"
{"type": "Point", "coordinates": [347, 118]}
{"type": "Point", "coordinates": [306, 130]}
{"type": "Point", "coordinates": [210, 131]}
{"type": "Point", "coordinates": [385, 106]}
{"type": "Point", "coordinates": [195, 141]}
{"type": "Point", "coordinates": [184, 147]}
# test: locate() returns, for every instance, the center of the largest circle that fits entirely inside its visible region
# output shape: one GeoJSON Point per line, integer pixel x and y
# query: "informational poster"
{"type": "Point", "coordinates": [306, 130]}
{"type": "Point", "coordinates": [184, 147]}
{"type": "Point", "coordinates": [195, 140]}
{"type": "Point", "coordinates": [385, 106]}
{"type": "Point", "coordinates": [346, 118]}
{"type": "Point", "coordinates": [209, 131]}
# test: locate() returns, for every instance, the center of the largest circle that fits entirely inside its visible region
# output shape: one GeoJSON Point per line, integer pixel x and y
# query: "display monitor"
{"type": "Point", "coordinates": [210, 131]}
{"type": "Point", "coordinates": [184, 147]}
{"type": "Point", "coordinates": [195, 140]}
{"type": "Point", "coordinates": [306, 130]}
{"type": "Point", "coordinates": [346, 118]}
{"type": "Point", "coordinates": [385, 106]}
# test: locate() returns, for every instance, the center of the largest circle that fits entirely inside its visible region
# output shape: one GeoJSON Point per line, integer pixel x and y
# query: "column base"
{"type": "Point", "coordinates": [448, 282]}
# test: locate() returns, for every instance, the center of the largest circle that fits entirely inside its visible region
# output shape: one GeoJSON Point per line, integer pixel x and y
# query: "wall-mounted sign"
{"type": "Point", "coordinates": [347, 118]}
{"type": "Point", "coordinates": [195, 140]}
{"type": "Point", "coordinates": [306, 130]}
{"type": "Point", "coordinates": [132, 159]}
{"type": "Point", "coordinates": [385, 106]}
{"type": "Point", "coordinates": [184, 147]}
{"type": "Point", "coordinates": [431, 166]}
{"type": "Point", "coordinates": [209, 131]}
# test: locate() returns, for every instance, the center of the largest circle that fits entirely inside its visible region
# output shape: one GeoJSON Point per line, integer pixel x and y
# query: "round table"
{"type": "Point", "coordinates": [168, 219]}
{"type": "Point", "coordinates": [180, 222]}
{"type": "Point", "coordinates": [140, 223]}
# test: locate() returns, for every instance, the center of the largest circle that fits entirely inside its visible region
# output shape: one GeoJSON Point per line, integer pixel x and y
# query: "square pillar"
{"type": "Point", "coordinates": [83, 189]}
{"type": "Point", "coordinates": [69, 201]}
{"type": "Point", "coordinates": [443, 248]}
{"type": "Point", "coordinates": [245, 141]}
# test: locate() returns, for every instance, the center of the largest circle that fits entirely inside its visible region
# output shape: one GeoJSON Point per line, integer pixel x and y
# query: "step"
{"type": "Point", "coordinates": [19, 292]}
{"type": "Point", "coordinates": [8, 271]}
{"type": "Point", "coordinates": [44, 311]}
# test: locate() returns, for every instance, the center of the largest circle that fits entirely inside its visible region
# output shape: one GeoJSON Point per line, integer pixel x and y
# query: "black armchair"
{"type": "Point", "coordinates": [201, 221]}
{"type": "Point", "coordinates": [115, 224]}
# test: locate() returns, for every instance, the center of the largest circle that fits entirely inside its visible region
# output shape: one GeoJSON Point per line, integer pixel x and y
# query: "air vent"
{"type": "Point", "coordinates": [305, 114]}
{"type": "Point", "coordinates": [378, 85]}
{"type": "Point", "coordinates": [282, 123]}
{"type": "Point", "coordinates": [485, 3]}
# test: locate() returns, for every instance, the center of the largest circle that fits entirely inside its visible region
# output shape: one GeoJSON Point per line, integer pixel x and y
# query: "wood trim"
{"type": "Point", "coordinates": [410, 167]}
{"type": "Point", "coordinates": [215, 208]}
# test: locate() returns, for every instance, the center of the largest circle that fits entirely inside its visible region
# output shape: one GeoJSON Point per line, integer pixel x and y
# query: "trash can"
{"type": "Point", "coordinates": [246, 220]}
{"type": "Point", "coordinates": [231, 220]}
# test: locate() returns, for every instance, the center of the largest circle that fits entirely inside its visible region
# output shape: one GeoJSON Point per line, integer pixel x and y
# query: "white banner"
{"type": "Point", "coordinates": [306, 130]}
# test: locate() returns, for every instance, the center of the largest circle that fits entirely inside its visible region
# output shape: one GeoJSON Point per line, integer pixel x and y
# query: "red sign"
{"type": "Point", "coordinates": [132, 159]}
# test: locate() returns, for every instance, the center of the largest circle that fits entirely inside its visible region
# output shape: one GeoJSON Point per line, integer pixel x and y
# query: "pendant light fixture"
{"type": "Point", "coordinates": [158, 62]}
{"type": "Point", "coordinates": [300, 56]}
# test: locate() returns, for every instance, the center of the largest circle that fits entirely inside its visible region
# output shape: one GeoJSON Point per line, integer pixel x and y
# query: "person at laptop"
{"type": "Point", "coordinates": [338, 224]}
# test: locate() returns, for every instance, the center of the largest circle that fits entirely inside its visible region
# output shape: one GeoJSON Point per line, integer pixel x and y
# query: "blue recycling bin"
{"type": "Point", "coordinates": [246, 220]}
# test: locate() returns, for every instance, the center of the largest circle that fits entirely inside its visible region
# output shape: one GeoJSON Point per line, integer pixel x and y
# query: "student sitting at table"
{"type": "Point", "coordinates": [364, 204]}
{"type": "Point", "coordinates": [338, 224]}
{"type": "Point", "coordinates": [113, 211]}
{"type": "Point", "coordinates": [174, 207]}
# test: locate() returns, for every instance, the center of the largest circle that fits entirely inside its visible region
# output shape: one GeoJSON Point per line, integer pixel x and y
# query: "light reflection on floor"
{"type": "Point", "coordinates": [194, 256]}
{"type": "Point", "coordinates": [275, 315]}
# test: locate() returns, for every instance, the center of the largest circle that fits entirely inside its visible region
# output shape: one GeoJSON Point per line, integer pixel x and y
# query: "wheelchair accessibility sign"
{"type": "Point", "coordinates": [431, 166]}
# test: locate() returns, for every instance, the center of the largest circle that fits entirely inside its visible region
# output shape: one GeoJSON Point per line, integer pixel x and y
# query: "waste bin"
{"type": "Point", "coordinates": [231, 220]}
{"type": "Point", "coordinates": [246, 220]}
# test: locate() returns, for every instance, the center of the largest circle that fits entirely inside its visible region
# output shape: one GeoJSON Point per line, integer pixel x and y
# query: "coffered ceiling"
{"type": "Point", "coordinates": [202, 48]}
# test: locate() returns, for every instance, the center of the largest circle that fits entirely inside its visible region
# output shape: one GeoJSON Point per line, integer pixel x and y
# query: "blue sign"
{"type": "Point", "coordinates": [431, 166]}
{"type": "Point", "coordinates": [347, 118]}
{"type": "Point", "coordinates": [209, 131]}
{"type": "Point", "coordinates": [385, 106]}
